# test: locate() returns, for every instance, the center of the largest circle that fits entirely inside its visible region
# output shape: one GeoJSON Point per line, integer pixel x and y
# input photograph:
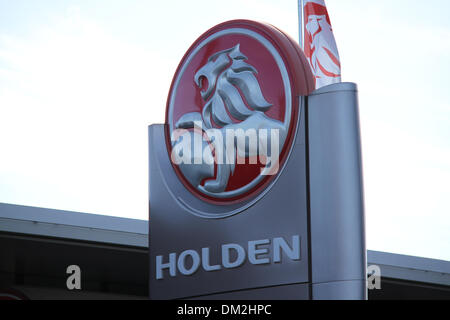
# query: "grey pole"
{"type": "Point", "coordinates": [300, 23]}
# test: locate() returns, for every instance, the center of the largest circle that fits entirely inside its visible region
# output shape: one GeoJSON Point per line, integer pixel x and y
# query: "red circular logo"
{"type": "Point", "coordinates": [232, 109]}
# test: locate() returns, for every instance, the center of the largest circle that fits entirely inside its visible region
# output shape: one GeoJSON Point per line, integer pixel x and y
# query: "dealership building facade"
{"type": "Point", "coordinates": [37, 246]}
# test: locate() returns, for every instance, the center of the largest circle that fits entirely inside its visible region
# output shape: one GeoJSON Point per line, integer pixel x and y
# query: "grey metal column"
{"type": "Point", "coordinates": [338, 253]}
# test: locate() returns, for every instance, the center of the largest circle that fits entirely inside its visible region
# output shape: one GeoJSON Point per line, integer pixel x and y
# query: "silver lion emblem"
{"type": "Point", "coordinates": [231, 128]}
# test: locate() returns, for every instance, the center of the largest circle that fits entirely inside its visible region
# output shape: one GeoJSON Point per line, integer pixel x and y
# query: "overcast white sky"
{"type": "Point", "coordinates": [80, 81]}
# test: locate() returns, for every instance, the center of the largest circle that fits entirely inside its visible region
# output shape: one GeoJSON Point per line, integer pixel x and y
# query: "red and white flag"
{"type": "Point", "coordinates": [319, 44]}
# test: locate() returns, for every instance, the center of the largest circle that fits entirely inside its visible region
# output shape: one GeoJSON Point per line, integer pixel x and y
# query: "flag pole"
{"type": "Point", "coordinates": [300, 23]}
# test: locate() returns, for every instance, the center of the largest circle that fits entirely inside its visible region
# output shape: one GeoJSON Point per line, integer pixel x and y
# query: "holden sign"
{"type": "Point", "coordinates": [233, 163]}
